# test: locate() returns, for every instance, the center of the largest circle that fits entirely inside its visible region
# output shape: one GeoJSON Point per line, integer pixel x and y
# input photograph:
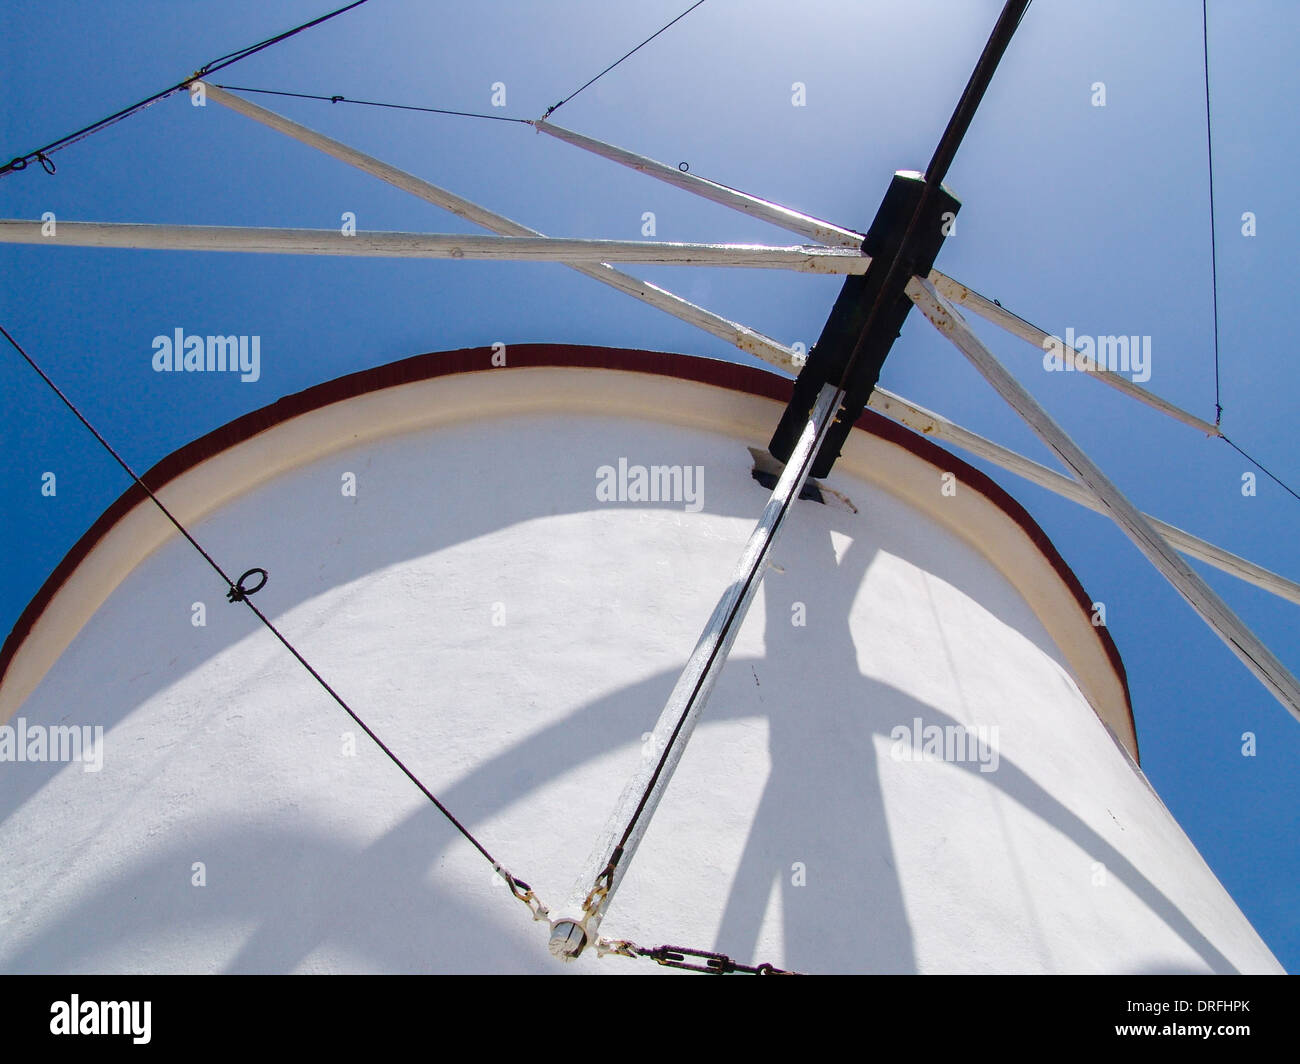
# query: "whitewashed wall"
{"type": "Point", "coordinates": [790, 834]}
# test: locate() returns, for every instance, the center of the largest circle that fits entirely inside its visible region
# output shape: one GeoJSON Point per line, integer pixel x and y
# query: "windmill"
{"type": "Point", "coordinates": [888, 268]}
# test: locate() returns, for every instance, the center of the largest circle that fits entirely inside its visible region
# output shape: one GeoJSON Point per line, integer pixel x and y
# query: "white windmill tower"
{"type": "Point", "coordinates": [950, 748]}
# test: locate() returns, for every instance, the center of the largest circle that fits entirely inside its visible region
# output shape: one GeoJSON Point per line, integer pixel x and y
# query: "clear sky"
{"type": "Point", "coordinates": [1074, 215]}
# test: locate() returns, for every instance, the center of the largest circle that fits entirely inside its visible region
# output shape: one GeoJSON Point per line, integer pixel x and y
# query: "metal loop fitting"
{"type": "Point", "coordinates": [620, 946]}
{"type": "Point", "coordinates": [239, 592]}
{"type": "Point", "coordinates": [524, 893]}
{"type": "Point", "coordinates": [591, 904]}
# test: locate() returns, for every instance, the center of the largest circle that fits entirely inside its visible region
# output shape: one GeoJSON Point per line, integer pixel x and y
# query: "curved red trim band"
{"type": "Point", "coordinates": [522, 356]}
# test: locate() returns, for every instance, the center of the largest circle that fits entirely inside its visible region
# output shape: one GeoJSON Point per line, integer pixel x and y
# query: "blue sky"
{"type": "Point", "coordinates": [1074, 216]}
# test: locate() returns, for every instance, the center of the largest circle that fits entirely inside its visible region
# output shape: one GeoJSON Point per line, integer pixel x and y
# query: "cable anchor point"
{"type": "Point", "coordinates": [570, 935]}
{"type": "Point", "coordinates": [684, 958]}
{"type": "Point", "coordinates": [714, 963]}
{"type": "Point", "coordinates": [524, 893]}
{"type": "Point", "coordinates": [238, 592]}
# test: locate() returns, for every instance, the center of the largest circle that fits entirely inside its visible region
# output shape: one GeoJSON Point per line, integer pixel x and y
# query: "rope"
{"type": "Point", "coordinates": [244, 53]}
{"type": "Point", "coordinates": [1214, 257]}
{"type": "Point", "coordinates": [372, 103]}
{"type": "Point", "coordinates": [41, 154]}
{"type": "Point", "coordinates": [237, 592]}
{"type": "Point", "coordinates": [555, 107]}
{"type": "Point", "coordinates": [1214, 262]}
{"type": "Point", "coordinates": [1255, 462]}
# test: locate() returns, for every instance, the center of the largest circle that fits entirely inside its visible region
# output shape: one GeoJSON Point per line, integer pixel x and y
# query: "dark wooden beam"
{"type": "Point", "coordinates": [903, 241]}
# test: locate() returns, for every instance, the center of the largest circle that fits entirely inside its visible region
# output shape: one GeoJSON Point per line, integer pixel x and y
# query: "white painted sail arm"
{"type": "Point", "coordinates": [398, 178]}
{"type": "Point", "coordinates": [743, 337]}
{"type": "Point", "coordinates": [1199, 595]}
{"type": "Point", "coordinates": [802, 257]}
{"type": "Point", "coordinates": [822, 232]}
{"type": "Point", "coordinates": [751, 341]}
{"type": "Point", "coordinates": [574, 926]}
{"type": "Point", "coordinates": [957, 293]}
{"type": "Point", "coordinates": [928, 423]}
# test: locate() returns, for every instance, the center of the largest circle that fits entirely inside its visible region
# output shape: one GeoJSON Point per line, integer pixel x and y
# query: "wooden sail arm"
{"type": "Point", "coordinates": [1199, 595]}
{"type": "Point", "coordinates": [800, 257]}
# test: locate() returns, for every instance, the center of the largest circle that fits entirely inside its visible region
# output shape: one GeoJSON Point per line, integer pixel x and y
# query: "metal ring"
{"type": "Point", "coordinates": [683, 167]}
{"type": "Point", "coordinates": [239, 592]}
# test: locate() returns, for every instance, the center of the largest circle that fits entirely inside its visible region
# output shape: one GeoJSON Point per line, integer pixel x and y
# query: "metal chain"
{"type": "Point", "coordinates": [676, 957]}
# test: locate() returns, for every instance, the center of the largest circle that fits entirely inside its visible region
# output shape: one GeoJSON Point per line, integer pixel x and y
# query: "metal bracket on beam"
{"type": "Point", "coordinates": [854, 342]}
